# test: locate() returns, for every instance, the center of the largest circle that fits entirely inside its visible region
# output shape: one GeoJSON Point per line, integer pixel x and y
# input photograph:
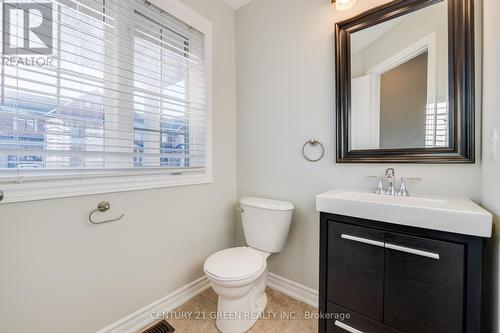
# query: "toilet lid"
{"type": "Point", "coordinates": [236, 263]}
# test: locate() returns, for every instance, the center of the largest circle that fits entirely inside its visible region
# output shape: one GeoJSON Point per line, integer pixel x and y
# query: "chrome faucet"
{"type": "Point", "coordinates": [386, 185]}
{"type": "Point", "coordinates": [390, 175]}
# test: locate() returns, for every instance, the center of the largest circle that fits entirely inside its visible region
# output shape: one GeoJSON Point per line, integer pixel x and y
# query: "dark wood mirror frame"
{"type": "Point", "coordinates": [461, 79]}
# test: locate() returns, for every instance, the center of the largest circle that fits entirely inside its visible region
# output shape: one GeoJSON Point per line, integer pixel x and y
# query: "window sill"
{"type": "Point", "coordinates": [43, 190]}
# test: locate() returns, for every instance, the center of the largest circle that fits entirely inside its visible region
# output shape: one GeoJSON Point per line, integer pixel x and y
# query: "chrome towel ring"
{"type": "Point", "coordinates": [313, 143]}
{"type": "Point", "coordinates": [102, 207]}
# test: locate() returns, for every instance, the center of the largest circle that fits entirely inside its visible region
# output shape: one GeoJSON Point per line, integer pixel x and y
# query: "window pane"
{"type": "Point", "coordinates": [122, 87]}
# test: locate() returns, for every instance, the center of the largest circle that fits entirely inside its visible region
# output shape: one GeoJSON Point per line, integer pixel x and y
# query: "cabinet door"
{"type": "Point", "coordinates": [342, 320]}
{"type": "Point", "coordinates": [424, 285]}
{"type": "Point", "coordinates": [356, 269]}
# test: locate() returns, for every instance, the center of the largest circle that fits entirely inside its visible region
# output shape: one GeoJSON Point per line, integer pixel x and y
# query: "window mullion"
{"type": "Point", "coordinates": [119, 109]}
{"type": "Point", "coordinates": [152, 136]}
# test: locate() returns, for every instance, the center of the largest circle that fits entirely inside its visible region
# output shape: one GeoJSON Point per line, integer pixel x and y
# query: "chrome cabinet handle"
{"type": "Point", "coordinates": [412, 251]}
{"type": "Point", "coordinates": [347, 327]}
{"type": "Point", "coordinates": [362, 240]}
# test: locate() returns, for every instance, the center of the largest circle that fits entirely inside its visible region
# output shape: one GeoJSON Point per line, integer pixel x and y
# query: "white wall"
{"type": "Point", "coordinates": [285, 89]}
{"type": "Point", "coordinates": [60, 274]}
{"type": "Point", "coordinates": [491, 119]}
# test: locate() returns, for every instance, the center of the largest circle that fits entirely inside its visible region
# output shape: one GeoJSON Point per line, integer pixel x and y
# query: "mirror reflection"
{"type": "Point", "coordinates": [399, 85]}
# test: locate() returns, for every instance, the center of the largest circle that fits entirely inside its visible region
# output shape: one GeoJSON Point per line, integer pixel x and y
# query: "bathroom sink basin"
{"type": "Point", "coordinates": [450, 214]}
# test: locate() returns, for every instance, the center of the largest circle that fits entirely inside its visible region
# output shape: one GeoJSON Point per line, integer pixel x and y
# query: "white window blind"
{"type": "Point", "coordinates": [125, 93]}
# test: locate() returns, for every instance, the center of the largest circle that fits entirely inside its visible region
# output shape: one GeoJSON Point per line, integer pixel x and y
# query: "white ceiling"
{"type": "Point", "coordinates": [236, 4]}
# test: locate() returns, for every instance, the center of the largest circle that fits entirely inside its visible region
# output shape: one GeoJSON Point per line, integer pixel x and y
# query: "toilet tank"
{"type": "Point", "coordinates": [266, 223]}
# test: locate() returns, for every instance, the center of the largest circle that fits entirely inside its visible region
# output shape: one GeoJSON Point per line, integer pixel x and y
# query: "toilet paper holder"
{"type": "Point", "coordinates": [102, 207]}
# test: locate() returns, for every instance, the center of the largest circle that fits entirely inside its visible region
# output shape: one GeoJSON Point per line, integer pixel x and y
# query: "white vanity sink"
{"type": "Point", "coordinates": [457, 215]}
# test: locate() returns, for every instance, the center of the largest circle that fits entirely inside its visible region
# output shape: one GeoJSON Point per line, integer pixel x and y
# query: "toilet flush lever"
{"type": "Point", "coordinates": [239, 209]}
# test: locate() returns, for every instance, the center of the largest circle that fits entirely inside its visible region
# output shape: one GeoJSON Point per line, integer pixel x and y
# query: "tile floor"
{"type": "Point", "coordinates": [283, 315]}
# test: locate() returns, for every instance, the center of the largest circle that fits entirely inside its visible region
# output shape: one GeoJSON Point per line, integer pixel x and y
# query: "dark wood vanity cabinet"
{"type": "Point", "coordinates": [356, 270]}
{"type": "Point", "coordinates": [429, 290]}
{"type": "Point", "coordinates": [379, 277]}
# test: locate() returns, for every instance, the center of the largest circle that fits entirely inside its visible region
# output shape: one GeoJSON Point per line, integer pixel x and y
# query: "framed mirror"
{"type": "Point", "coordinates": [405, 83]}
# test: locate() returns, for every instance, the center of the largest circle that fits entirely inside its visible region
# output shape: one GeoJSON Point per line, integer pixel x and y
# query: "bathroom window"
{"type": "Point", "coordinates": [103, 92]}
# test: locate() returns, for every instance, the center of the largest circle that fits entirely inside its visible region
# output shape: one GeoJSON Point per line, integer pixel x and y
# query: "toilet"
{"type": "Point", "coordinates": [239, 275]}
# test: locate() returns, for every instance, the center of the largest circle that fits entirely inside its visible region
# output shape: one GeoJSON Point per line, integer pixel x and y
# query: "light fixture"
{"type": "Point", "coordinates": [343, 4]}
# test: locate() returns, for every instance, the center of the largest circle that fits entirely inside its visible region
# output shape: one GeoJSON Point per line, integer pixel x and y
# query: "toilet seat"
{"type": "Point", "coordinates": [235, 264]}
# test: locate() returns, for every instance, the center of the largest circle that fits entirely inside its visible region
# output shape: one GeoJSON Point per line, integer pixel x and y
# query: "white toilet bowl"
{"type": "Point", "coordinates": [238, 276]}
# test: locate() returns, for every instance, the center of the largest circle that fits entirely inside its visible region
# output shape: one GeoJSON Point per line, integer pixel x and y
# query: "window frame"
{"type": "Point", "coordinates": [51, 184]}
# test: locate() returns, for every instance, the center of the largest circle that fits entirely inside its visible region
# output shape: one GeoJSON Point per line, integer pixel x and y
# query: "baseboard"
{"type": "Point", "coordinates": [293, 289]}
{"type": "Point", "coordinates": [143, 317]}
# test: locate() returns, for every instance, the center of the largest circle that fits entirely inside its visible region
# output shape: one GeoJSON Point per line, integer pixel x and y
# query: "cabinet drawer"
{"type": "Point", "coordinates": [345, 321]}
{"type": "Point", "coordinates": [356, 269]}
{"type": "Point", "coordinates": [424, 284]}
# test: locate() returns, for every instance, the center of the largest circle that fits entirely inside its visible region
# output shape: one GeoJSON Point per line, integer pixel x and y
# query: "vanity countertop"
{"type": "Point", "coordinates": [450, 214]}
